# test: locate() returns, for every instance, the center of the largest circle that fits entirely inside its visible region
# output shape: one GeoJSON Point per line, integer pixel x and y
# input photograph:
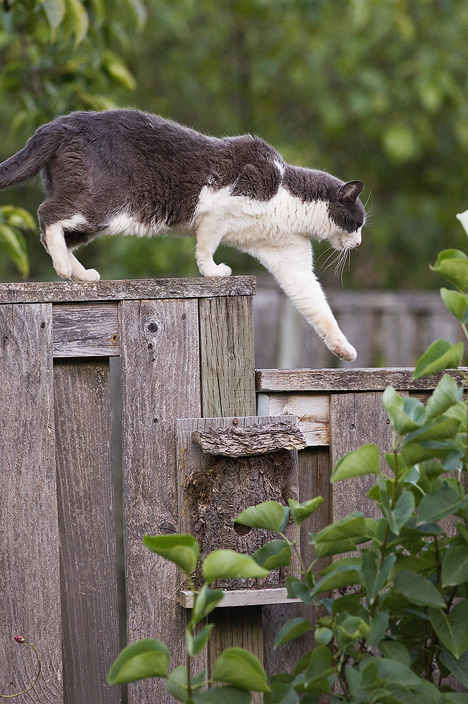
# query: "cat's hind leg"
{"type": "Point", "coordinates": [291, 265]}
{"type": "Point", "coordinates": [55, 242]}
{"type": "Point", "coordinates": [209, 235]}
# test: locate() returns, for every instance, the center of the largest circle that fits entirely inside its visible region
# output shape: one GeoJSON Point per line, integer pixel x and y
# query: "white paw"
{"type": "Point", "coordinates": [342, 349]}
{"type": "Point", "coordinates": [88, 275]}
{"type": "Point", "coordinates": [216, 270]}
{"type": "Point", "coordinates": [63, 269]}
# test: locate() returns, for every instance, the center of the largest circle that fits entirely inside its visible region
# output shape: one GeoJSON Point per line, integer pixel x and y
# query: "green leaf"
{"type": "Point", "coordinates": [455, 302]}
{"type": "Point", "coordinates": [455, 566]}
{"type": "Point", "coordinates": [445, 395]}
{"type": "Point", "coordinates": [342, 576]}
{"type": "Point", "coordinates": [55, 12]}
{"type": "Point", "coordinates": [227, 564]}
{"type": "Point", "coordinates": [341, 536]}
{"type": "Point", "coordinates": [375, 575]}
{"type": "Point", "coordinates": [268, 515]}
{"type": "Point", "coordinates": [117, 69]}
{"type": "Point", "coordinates": [439, 504]}
{"type": "Point", "coordinates": [300, 512]}
{"type": "Point", "coordinates": [145, 658]}
{"type": "Point", "coordinates": [183, 550]}
{"type": "Point", "coordinates": [452, 264]}
{"type": "Point", "coordinates": [404, 508]}
{"type": "Point", "coordinates": [291, 629]}
{"type": "Point", "coordinates": [298, 590]}
{"type": "Point", "coordinates": [79, 20]}
{"type": "Point", "coordinates": [417, 589]}
{"type": "Point", "coordinates": [12, 242]}
{"type": "Point", "coordinates": [439, 355]}
{"type": "Point", "coordinates": [276, 553]}
{"type": "Point", "coordinates": [318, 670]}
{"type": "Point", "coordinates": [223, 695]}
{"type": "Point", "coordinates": [451, 628]}
{"type": "Point", "coordinates": [176, 684]}
{"type": "Point", "coordinates": [240, 668]}
{"type": "Point", "coordinates": [378, 629]}
{"type": "Point", "coordinates": [195, 644]}
{"type": "Point", "coordinates": [281, 693]}
{"type": "Point", "coordinates": [458, 668]}
{"type": "Point", "coordinates": [405, 414]}
{"type": "Point", "coordinates": [207, 600]}
{"type": "Point", "coordinates": [395, 651]}
{"type": "Point", "coordinates": [365, 460]}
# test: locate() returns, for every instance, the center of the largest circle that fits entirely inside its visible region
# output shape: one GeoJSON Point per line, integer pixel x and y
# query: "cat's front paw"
{"type": "Point", "coordinates": [342, 349]}
{"type": "Point", "coordinates": [63, 269]}
{"type": "Point", "coordinates": [218, 270]}
{"type": "Point", "coordinates": [87, 275]}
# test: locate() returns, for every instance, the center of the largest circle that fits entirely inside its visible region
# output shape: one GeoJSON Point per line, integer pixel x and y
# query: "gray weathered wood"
{"type": "Point", "coordinates": [136, 289]}
{"type": "Point", "coordinates": [243, 597]}
{"type": "Point", "coordinates": [256, 439]}
{"type": "Point", "coordinates": [332, 380]}
{"type": "Point", "coordinates": [29, 550]}
{"type": "Point", "coordinates": [227, 357]}
{"type": "Point", "coordinates": [88, 546]}
{"type": "Point", "coordinates": [86, 330]}
{"type": "Point", "coordinates": [356, 419]}
{"type": "Point", "coordinates": [215, 489]}
{"type": "Point", "coordinates": [228, 389]}
{"type": "Point", "coordinates": [160, 382]}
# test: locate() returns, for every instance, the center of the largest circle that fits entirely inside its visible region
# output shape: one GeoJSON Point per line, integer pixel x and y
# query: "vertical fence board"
{"type": "Point", "coordinates": [29, 549]}
{"type": "Point", "coordinates": [160, 382]}
{"type": "Point", "coordinates": [88, 545]}
{"type": "Point", "coordinates": [227, 357]}
{"type": "Point", "coordinates": [356, 419]}
{"type": "Point", "coordinates": [228, 389]}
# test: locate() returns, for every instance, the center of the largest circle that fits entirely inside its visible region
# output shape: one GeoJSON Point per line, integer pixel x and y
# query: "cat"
{"type": "Point", "coordinates": [128, 172]}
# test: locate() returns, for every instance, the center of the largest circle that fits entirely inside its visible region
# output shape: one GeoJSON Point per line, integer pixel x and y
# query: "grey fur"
{"type": "Point", "coordinates": [102, 163]}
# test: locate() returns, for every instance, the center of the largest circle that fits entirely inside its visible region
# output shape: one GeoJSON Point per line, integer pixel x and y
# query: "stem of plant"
{"type": "Point", "coordinates": [21, 639]}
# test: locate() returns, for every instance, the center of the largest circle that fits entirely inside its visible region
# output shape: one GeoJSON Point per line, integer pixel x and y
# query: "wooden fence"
{"type": "Point", "coordinates": [388, 329]}
{"type": "Point", "coordinates": [180, 349]}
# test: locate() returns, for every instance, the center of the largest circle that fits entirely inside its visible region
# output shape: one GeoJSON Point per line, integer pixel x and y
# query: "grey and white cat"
{"type": "Point", "coordinates": [128, 172]}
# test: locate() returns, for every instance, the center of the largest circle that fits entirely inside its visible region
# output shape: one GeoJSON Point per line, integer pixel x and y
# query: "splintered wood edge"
{"type": "Point", "coordinates": [132, 289]}
{"type": "Point", "coordinates": [243, 597]}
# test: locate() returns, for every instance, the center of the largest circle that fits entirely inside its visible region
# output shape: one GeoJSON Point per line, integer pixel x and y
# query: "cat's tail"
{"type": "Point", "coordinates": [38, 151]}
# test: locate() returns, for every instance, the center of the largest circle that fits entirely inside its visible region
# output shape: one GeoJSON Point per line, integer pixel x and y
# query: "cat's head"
{"type": "Point", "coordinates": [346, 216]}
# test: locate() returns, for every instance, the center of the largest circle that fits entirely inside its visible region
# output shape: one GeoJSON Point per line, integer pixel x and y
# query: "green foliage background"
{"type": "Point", "coordinates": [369, 89]}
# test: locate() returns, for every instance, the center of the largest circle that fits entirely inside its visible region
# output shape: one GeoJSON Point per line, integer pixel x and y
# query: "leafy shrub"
{"type": "Point", "coordinates": [400, 629]}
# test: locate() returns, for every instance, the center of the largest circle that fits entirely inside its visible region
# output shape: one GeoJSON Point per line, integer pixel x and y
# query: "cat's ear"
{"type": "Point", "coordinates": [349, 192]}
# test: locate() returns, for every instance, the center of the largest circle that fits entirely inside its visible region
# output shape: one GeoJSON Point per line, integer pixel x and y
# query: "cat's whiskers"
{"type": "Point", "coordinates": [330, 260]}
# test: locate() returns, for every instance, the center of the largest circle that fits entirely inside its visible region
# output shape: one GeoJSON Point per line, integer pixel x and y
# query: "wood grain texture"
{"type": "Point", "coordinates": [227, 357]}
{"type": "Point", "coordinates": [243, 597]}
{"type": "Point", "coordinates": [87, 529]}
{"type": "Point", "coordinates": [160, 382]}
{"type": "Point", "coordinates": [345, 379]}
{"type": "Point", "coordinates": [259, 438]}
{"type": "Point", "coordinates": [86, 330]}
{"type": "Point", "coordinates": [29, 550]}
{"type": "Point", "coordinates": [356, 419]}
{"type": "Point", "coordinates": [312, 412]}
{"type": "Point", "coordinates": [216, 489]}
{"type": "Point", "coordinates": [134, 289]}
{"type": "Point", "coordinates": [228, 389]}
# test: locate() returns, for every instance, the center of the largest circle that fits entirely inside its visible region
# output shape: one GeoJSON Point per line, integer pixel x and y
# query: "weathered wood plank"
{"type": "Point", "coordinates": [215, 489]}
{"type": "Point", "coordinates": [228, 389]}
{"type": "Point", "coordinates": [160, 382]}
{"type": "Point", "coordinates": [356, 419]}
{"type": "Point", "coordinates": [227, 357]}
{"type": "Point", "coordinates": [134, 289]}
{"type": "Point", "coordinates": [87, 530]}
{"type": "Point", "coordinates": [312, 411]}
{"type": "Point", "coordinates": [29, 553]}
{"type": "Point", "coordinates": [259, 438]}
{"type": "Point", "coordinates": [338, 380]}
{"type": "Point", "coordinates": [86, 330]}
{"type": "Point", "coordinates": [243, 597]}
